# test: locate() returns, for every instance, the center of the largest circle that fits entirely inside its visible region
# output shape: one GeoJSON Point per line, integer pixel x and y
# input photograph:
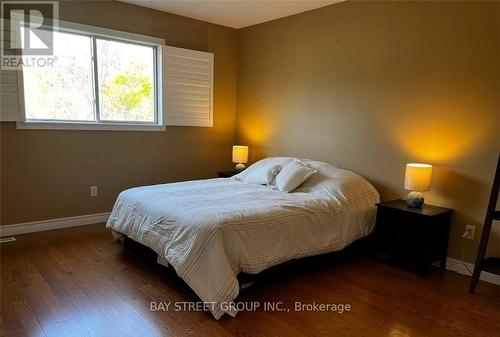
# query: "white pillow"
{"type": "Point", "coordinates": [263, 164]}
{"type": "Point", "coordinates": [260, 175]}
{"type": "Point", "coordinates": [293, 175]}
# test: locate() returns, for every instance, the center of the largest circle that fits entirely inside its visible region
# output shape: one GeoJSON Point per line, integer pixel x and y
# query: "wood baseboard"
{"type": "Point", "coordinates": [45, 225]}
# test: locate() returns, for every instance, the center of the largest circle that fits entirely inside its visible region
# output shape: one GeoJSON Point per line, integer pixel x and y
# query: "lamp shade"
{"type": "Point", "coordinates": [240, 154]}
{"type": "Point", "coordinates": [418, 177]}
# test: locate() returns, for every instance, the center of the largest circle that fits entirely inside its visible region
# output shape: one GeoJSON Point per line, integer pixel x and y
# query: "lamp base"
{"type": "Point", "coordinates": [415, 199]}
{"type": "Point", "coordinates": [239, 167]}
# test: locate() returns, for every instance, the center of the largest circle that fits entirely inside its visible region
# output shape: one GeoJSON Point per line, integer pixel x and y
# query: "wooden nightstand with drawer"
{"type": "Point", "coordinates": [418, 236]}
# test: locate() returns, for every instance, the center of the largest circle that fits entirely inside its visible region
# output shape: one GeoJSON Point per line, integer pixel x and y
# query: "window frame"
{"type": "Point", "coordinates": [95, 33]}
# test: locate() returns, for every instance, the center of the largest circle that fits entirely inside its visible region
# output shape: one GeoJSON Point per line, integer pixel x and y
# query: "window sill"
{"type": "Point", "coordinates": [34, 125]}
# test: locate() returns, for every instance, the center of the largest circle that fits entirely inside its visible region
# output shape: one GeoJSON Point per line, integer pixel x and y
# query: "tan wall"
{"type": "Point", "coordinates": [370, 86]}
{"type": "Point", "coordinates": [47, 174]}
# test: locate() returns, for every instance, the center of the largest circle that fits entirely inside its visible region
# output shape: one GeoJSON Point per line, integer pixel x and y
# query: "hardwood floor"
{"type": "Point", "coordinates": [79, 282]}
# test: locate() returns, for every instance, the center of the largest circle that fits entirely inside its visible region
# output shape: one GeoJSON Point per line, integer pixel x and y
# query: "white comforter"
{"type": "Point", "coordinates": [210, 230]}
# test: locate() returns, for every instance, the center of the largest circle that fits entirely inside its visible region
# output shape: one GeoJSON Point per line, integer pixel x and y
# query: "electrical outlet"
{"type": "Point", "coordinates": [93, 191]}
{"type": "Point", "coordinates": [470, 232]}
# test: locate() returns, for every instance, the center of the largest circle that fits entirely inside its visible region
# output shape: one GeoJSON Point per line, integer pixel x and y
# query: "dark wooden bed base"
{"type": "Point", "coordinates": [283, 271]}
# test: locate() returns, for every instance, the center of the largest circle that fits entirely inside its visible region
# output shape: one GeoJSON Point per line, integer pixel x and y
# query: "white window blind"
{"type": "Point", "coordinates": [9, 96]}
{"type": "Point", "coordinates": [10, 108]}
{"type": "Point", "coordinates": [188, 87]}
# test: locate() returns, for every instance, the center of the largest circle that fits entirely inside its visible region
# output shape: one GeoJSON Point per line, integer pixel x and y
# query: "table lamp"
{"type": "Point", "coordinates": [417, 179]}
{"type": "Point", "coordinates": [240, 157]}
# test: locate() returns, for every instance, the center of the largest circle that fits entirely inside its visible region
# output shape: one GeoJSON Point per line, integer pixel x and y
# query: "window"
{"type": "Point", "coordinates": [126, 81]}
{"type": "Point", "coordinates": [111, 80]}
{"type": "Point", "coordinates": [102, 81]}
{"type": "Point", "coordinates": [63, 92]}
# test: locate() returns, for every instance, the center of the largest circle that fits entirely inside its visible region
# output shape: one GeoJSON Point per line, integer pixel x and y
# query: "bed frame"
{"type": "Point", "coordinates": [286, 270]}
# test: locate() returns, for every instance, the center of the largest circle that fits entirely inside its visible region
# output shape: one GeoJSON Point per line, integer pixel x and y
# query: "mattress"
{"type": "Point", "coordinates": [211, 230]}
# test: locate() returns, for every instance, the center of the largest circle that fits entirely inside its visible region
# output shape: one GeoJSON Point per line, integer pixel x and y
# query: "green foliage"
{"type": "Point", "coordinates": [127, 91]}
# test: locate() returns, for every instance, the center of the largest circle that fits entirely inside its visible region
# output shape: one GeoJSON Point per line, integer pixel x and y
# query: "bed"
{"type": "Point", "coordinates": [211, 230]}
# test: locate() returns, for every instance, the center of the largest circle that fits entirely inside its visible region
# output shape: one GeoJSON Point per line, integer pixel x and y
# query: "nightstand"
{"type": "Point", "coordinates": [227, 174]}
{"type": "Point", "coordinates": [413, 235]}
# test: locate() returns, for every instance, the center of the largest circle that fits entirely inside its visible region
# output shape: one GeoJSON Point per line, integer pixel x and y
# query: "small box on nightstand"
{"type": "Point", "coordinates": [418, 236]}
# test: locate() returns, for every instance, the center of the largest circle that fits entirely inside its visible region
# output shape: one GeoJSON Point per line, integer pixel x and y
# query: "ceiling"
{"type": "Point", "coordinates": [233, 13]}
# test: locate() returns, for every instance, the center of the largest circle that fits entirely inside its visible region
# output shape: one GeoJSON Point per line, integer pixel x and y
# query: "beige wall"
{"type": "Point", "coordinates": [47, 174]}
{"type": "Point", "coordinates": [369, 86]}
